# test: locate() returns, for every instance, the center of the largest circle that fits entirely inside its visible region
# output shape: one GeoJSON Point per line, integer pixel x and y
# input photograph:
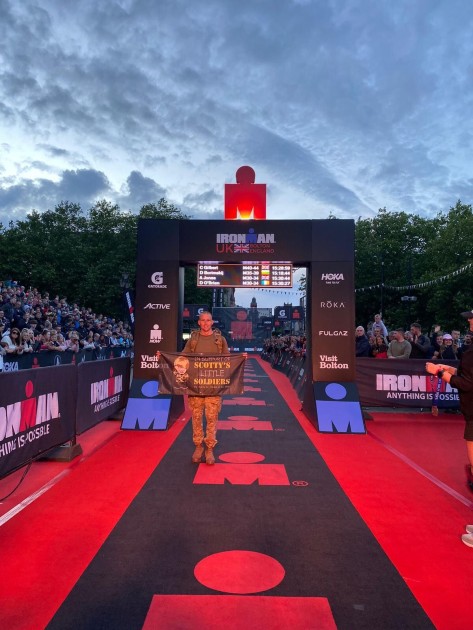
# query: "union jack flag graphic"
{"type": "Point", "coordinates": [241, 249]}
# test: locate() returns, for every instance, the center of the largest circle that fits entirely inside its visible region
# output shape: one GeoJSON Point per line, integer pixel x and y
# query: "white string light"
{"type": "Point", "coordinates": [420, 285]}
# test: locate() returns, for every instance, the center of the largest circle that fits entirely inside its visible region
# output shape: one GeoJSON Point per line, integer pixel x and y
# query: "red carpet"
{"type": "Point", "coordinates": [417, 523]}
{"type": "Point", "coordinates": [405, 478]}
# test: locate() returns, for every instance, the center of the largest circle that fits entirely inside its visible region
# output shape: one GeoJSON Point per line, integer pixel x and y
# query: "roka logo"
{"type": "Point", "coordinates": [330, 304]}
{"type": "Point", "coordinates": [332, 278]}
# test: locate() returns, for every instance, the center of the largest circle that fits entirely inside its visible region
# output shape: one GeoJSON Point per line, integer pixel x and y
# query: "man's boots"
{"type": "Point", "coordinates": [209, 457]}
{"type": "Point", "coordinates": [197, 455]}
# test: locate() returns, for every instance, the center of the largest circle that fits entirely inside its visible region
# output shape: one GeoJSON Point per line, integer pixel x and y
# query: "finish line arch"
{"type": "Point", "coordinates": [325, 247]}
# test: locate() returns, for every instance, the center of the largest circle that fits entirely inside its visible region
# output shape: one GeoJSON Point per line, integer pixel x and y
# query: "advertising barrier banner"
{"type": "Point", "coordinates": [401, 383]}
{"type": "Point", "coordinates": [102, 390]}
{"type": "Point", "coordinates": [199, 375]}
{"type": "Point", "coordinates": [37, 413]}
{"type": "Point", "coordinates": [47, 358]}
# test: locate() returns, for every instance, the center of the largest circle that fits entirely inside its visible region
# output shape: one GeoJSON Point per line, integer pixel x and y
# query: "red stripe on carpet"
{"type": "Point", "coordinates": [416, 522]}
{"type": "Point", "coordinates": [48, 545]}
{"type": "Point", "coordinates": [214, 612]}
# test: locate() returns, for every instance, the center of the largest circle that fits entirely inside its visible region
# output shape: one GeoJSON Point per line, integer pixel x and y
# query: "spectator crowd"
{"type": "Point", "coordinates": [33, 321]}
{"type": "Point", "coordinates": [376, 341]}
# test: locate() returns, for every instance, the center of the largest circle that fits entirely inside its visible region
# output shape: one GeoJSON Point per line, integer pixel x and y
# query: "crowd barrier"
{"type": "Point", "coordinates": [47, 358]}
{"type": "Point", "coordinates": [380, 382]}
{"type": "Point", "coordinates": [44, 409]}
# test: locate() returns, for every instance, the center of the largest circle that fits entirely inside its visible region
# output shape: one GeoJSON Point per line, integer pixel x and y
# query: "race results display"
{"type": "Point", "coordinates": [239, 275]}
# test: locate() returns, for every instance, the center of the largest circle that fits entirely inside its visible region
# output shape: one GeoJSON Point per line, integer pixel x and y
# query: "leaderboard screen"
{"type": "Point", "coordinates": [239, 275]}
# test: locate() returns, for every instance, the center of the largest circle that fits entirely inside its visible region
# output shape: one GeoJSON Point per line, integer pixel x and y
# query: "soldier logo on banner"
{"type": "Point", "coordinates": [200, 375]}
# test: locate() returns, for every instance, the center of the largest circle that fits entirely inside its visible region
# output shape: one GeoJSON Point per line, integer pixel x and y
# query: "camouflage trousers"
{"type": "Point", "coordinates": [211, 405]}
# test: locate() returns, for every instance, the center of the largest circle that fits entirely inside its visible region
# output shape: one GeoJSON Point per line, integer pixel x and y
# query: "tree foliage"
{"type": "Point", "coordinates": [397, 252]}
{"type": "Point", "coordinates": [83, 256]}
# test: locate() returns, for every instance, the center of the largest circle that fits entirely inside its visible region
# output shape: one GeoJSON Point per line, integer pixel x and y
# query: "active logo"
{"type": "Point", "coordinates": [157, 307]}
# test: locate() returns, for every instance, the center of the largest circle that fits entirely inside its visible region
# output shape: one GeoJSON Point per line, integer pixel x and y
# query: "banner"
{"type": "Point", "coordinates": [37, 413]}
{"type": "Point", "coordinates": [332, 321]}
{"type": "Point", "coordinates": [129, 299]}
{"type": "Point", "coordinates": [47, 358]}
{"type": "Point", "coordinates": [102, 390]}
{"type": "Point", "coordinates": [200, 375]}
{"type": "Point", "coordinates": [401, 383]}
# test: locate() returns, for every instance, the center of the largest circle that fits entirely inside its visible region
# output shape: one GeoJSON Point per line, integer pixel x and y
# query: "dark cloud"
{"type": "Point", "coordinates": [138, 191]}
{"type": "Point", "coordinates": [349, 106]}
{"type": "Point", "coordinates": [81, 186]}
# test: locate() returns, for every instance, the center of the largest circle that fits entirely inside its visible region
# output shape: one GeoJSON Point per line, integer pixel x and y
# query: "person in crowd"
{"type": "Point", "coordinates": [82, 329]}
{"type": "Point", "coordinates": [380, 347]}
{"type": "Point", "coordinates": [103, 341]}
{"type": "Point", "coordinates": [436, 341]}
{"type": "Point", "coordinates": [3, 320]}
{"type": "Point", "coordinates": [88, 342]}
{"type": "Point", "coordinates": [378, 323]}
{"type": "Point", "coordinates": [17, 312]}
{"type": "Point", "coordinates": [447, 351]}
{"type": "Point", "coordinates": [362, 344]}
{"type": "Point", "coordinates": [420, 343]}
{"type": "Point", "coordinates": [61, 341]}
{"type": "Point", "coordinates": [206, 341]}
{"type": "Point", "coordinates": [399, 348]}
{"type": "Point", "coordinates": [114, 340]}
{"type": "Point", "coordinates": [462, 379]}
{"type": "Point", "coordinates": [456, 341]}
{"type": "Point", "coordinates": [72, 342]}
{"type": "Point", "coordinates": [466, 344]}
{"type": "Point", "coordinates": [13, 341]}
{"type": "Point", "coordinates": [55, 343]}
{"type": "Point", "coordinates": [27, 340]}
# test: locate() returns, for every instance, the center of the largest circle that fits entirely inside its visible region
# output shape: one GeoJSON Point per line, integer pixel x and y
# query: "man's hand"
{"type": "Point", "coordinates": [432, 368]}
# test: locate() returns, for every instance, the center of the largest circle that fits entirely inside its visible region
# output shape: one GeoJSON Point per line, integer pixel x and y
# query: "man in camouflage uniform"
{"type": "Point", "coordinates": [205, 341]}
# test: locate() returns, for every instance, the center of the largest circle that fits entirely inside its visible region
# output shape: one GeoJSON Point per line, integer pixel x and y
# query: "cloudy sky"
{"type": "Point", "coordinates": [341, 106]}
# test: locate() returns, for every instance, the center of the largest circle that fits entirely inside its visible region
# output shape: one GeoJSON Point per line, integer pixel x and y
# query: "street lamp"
{"type": "Point", "coordinates": [407, 299]}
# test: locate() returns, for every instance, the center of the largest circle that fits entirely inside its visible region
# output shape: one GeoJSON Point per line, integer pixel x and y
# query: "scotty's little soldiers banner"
{"type": "Point", "coordinates": [200, 375]}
